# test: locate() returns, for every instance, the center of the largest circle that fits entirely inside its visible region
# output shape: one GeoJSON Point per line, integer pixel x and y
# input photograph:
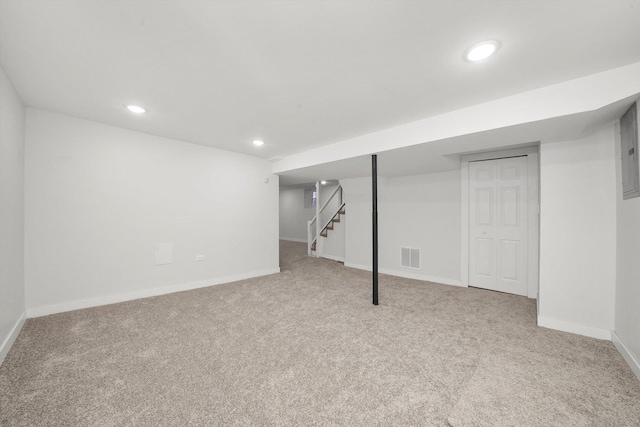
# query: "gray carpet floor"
{"type": "Point", "coordinates": [306, 347]}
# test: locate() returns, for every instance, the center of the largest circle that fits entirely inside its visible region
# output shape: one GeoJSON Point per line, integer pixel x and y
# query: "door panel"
{"type": "Point", "coordinates": [484, 258]}
{"type": "Point", "coordinates": [509, 257]}
{"type": "Point", "coordinates": [484, 206]}
{"type": "Point", "coordinates": [498, 224]}
{"type": "Point", "coordinates": [485, 173]}
{"type": "Point", "coordinates": [510, 206]}
{"type": "Point", "coordinates": [509, 172]}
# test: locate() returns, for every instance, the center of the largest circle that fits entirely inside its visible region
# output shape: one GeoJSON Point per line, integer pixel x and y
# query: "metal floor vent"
{"type": "Point", "coordinates": [410, 257]}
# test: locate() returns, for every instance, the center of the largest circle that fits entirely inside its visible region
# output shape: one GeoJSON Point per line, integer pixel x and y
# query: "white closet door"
{"type": "Point", "coordinates": [498, 225]}
{"type": "Point", "coordinates": [482, 224]}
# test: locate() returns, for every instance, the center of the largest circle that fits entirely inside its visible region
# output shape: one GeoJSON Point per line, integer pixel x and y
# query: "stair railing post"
{"type": "Point", "coordinates": [318, 220]}
{"type": "Point", "coordinates": [309, 238]}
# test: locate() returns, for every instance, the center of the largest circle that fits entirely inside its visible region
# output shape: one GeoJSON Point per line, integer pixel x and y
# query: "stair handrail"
{"type": "Point", "coordinates": [338, 188]}
{"type": "Point", "coordinates": [331, 219]}
{"type": "Point", "coordinates": [313, 237]}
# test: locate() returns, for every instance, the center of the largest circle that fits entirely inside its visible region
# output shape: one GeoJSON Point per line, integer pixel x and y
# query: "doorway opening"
{"type": "Point", "coordinates": [500, 221]}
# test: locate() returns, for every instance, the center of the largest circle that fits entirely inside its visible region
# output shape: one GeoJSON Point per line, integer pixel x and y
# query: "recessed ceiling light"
{"type": "Point", "coordinates": [136, 109]}
{"type": "Point", "coordinates": [323, 182]}
{"type": "Point", "coordinates": [257, 142]}
{"type": "Point", "coordinates": [481, 50]}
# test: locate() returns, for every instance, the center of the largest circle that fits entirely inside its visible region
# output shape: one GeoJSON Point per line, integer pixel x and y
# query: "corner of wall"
{"type": "Point", "coordinates": [574, 328]}
{"type": "Point", "coordinates": [627, 355]}
{"type": "Point", "coordinates": [13, 335]}
{"type": "Point", "coordinates": [12, 165]}
{"type": "Point", "coordinates": [627, 293]}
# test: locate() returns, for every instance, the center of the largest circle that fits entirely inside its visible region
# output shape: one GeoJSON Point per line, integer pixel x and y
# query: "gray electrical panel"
{"type": "Point", "coordinates": [629, 152]}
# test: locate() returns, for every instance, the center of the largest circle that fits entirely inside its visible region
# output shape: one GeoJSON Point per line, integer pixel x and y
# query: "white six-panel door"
{"type": "Point", "coordinates": [498, 225]}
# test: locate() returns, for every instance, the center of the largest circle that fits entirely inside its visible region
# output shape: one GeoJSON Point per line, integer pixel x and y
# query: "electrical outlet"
{"type": "Point", "coordinates": [199, 257]}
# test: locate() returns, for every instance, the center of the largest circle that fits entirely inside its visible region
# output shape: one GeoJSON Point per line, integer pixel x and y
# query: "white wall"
{"type": "Point", "coordinates": [578, 230]}
{"type": "Point", "coordinates": [421, 211]}
{"type": "Point", "coordinates": [357, 198]}
{"type": "Point", "coordinates": [12, 303]}
{"type": "Point", "coordinates": [293, 215]}
{"type": "Point", "coordinates": [578, 235]}
{"type": "Point", "coordinates": [99, 198]}
{"type": "Point", "coordinates": [627, 318]}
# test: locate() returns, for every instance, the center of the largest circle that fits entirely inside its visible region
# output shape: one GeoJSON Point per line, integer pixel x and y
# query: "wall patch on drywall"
{"type": "Point", "coordinates": [164, 253]}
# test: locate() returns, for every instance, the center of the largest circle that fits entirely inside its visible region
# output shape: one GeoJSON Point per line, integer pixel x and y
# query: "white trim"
{"type": "Point", "coordinates": [532, 214]}
{"type": "Point", "coordinates": [359, 266]}
{"type": "Point", "coordinates": [464, 235]}
{"type": "Point", "coordinates": [415, 276]}
{"type": "Point", "coordinates": [291, 239]}
{"type": "Point", "coordinates": [633, 363]}
{"type": "Point", "coordinates": [6, 345]}
{"type": "Point", "coordinates": [499, 154]}
{"type": "Point", "coordinates": [333, 257]}
{"type": "Point", "coordinates": [533, 228]}
{"type": "Point", "coordinates": [113, 299]}
{"type": "Point", "coordinates": [574, 328]}
{"type": "Point", "coordinates": [409, 275]}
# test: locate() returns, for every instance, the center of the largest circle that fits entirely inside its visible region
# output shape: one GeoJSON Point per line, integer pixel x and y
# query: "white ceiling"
{"type": "Point", "coordinates": [444, 154]}
{"type": "Point", "coordinates": [298, 74]}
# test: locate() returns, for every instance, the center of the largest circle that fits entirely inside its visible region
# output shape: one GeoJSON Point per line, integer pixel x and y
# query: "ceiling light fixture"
{"type": "Point", "coordinates": [323, 182]}
{"type": "Point", "coordinates": [136, 109]}
{"type": "Point", "coordinates": [257, 142]}
{"type": "Point", "coordinates": [481, 50]}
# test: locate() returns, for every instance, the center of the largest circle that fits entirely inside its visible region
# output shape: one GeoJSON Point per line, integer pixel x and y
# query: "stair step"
{"type": "Point", "coordinates": [329, 226]}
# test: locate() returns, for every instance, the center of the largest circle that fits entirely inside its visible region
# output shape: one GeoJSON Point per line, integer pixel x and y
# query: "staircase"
{"type": "Point", "coordinates": [329, 226]}
{"type": "Point", "coordinates": [316, 228]}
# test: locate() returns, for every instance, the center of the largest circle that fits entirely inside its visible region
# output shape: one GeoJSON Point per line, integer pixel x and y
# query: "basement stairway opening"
{"type": "Point", "coordinates": [329, 226]}
{"type": "Point", "coordinates": [323, 225]}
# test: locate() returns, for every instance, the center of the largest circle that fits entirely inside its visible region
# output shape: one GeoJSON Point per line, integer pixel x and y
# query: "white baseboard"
{"type": "Point", "coordinates": [358, 266]}
{"type": "Point", "coordinates": [333, 257]}
{"type": "Point", "coordinates": [409, 275]}
{"type": "Point", "coordinates": [113, 299]}
{"type": "Point", "coordinates": [291, 239]}
{"type": "Point", "coordinates": [8, 342]}
{"type": "Point", "coordinates": [626, 354]}
{"type": "Point", "coordinates": [574, 328]}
